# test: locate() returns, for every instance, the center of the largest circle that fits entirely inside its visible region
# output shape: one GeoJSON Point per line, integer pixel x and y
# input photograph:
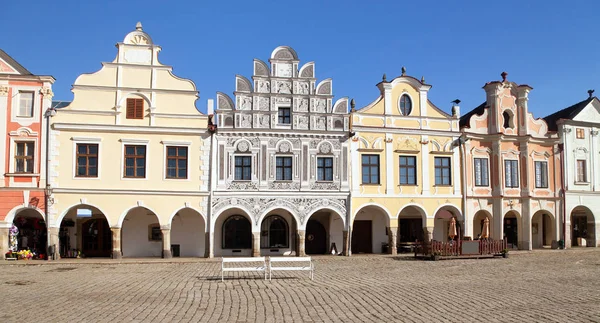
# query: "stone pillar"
{"type": "Point", "coordinates": [53, 241]}
{"type": "Point", "coordinates": [428, 234]}
{"type": "Point", "coordinates": [593, 234]}
{"type": "Point", "coordinates": [301, 241]}
{"type": "Point", "coordinates": [568, 234]}
{"type": "Point", "coordinates": [4, 241]}
{"type": "Point", "coordinates": [208, 250]}
{"type": "Point", "coordinates": [166, 240]}
{"type": "Point", "coordinates": [346, 247]}
{"type": "Point", "coordinates": [255, 244]}
{"type": "Point", "coordinates": [116, 243]}
{"type": "Point", "coordinates": [525, 241]}
{"type": "Point", "coordinates": [392, 237]}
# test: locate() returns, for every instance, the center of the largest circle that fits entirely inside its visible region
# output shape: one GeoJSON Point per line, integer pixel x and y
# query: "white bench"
{"type": "Point", "coordinates": [308, 264]}
{"type": "Point", "coordinates": [261, 265]}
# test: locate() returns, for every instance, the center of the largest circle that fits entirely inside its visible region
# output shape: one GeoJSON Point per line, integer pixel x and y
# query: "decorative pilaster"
{"type": "Point", "coordinates": [166, 239]}
{"type": "Point", "coordinates": [255, 244]}
{"type": "Point", "coordinates": [208, 245]}
{"type": "Point", "coordinates": [301, 242]}
{"type": "Point", "coordinates": [116, 243]}
{"type": "Point", "coordinates": [346, 250]}
{"type": "Point", "coordinates": [393, 237]}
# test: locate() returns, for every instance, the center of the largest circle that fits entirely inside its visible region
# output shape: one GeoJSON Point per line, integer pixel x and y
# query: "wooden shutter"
{"type": "Point", "coordinates": [135, 109]}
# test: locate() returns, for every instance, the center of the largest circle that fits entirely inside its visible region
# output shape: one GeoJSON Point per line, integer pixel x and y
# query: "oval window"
{"type": "Point", "coordinates": [405, 105]}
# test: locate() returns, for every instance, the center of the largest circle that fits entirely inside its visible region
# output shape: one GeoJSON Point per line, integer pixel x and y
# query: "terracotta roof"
{"type": "Point", "coordinates": [464, 119]}
{"type": "Point", "coordinates": [566, 113]}
{"type": "Point", "coordinates": [13, 63]}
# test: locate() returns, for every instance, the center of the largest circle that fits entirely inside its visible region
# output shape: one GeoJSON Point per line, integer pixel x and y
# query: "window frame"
{"type": "Point", "coordinates": [87, 156]}
{"type": "Point", "coordinates": [407, 167]}
{"type": "Point", "coordinates": [283, 168]}
{"type": "Point", "coordinates": [243, 166]}
{"type": "Point", "coordinates": [236, 217]}
{"type": "Point", "coordinates": [370, 166]}
{"type": "Point", "coordinates": [265, 235]}
{"type": "Point", "coordinates": [24, 157]}
{"type": "Point", "coordinates": [584, 173]}
{"type": "Point", "coordinates": [514, 173]}
{"type": "Point", "coordinates": [136, 114]}
{"type": "Point", "coordinates": [483, 170]}
{"type": "Point", "coordinates": [323, 169]}
{"type": "Point", "coordinates": [579, 133]}
{"type": "Point", "coordinates": [543, 180]}
{"type": "Point", "coordinates": [31, 113]}
{"type": "Point", "coordinates": [177, 158]}
{"type": "Point", "coordinates": [283, 115]}
{"type": "Point", "coordinates": [402, 101]}
{"type": "Point", "coordinates": [441, 168]}
{"type": "Point", "coordinates": [124, 173]}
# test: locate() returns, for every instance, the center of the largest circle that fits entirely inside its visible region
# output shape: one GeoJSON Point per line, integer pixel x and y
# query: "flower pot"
{"type": "Point", "coordinates": [505, 255]}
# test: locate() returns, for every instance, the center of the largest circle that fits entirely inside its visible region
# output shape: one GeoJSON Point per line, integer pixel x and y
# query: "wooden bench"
{"type": "Point", "coordinates": [292, 264]}
{"type": "Point", "coordinates": [261, 265]}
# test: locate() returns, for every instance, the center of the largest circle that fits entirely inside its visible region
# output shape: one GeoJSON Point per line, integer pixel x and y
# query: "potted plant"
{"type": "Point", "coordinates": [435, 256]}
{"type": "Point", "coordinates": [504, 253]}
{"type": "Point", "coordinates": [10, 255]}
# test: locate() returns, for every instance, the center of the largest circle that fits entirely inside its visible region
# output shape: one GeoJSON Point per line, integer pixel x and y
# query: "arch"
{"type": "Point", "coordinates": [442, 222]}
{"type": "Point", "coordinates": [542, 229]}
{"type": "Point", "coordinates": [324, 228]}
{"type": "Point", "coordinates": [405, 104]}
{"type": "Point", "coordinates": [239, 230]}
{"type": "Point", "coordinates": [128, 95]}
{"type": "Point", "coordinates": [64, 213]}
{"type": "Point", "coordinates": [32, 231]}
{"type": "Point", "coordinates": [582, 227]}
{"type": "Point", "coordinates": [124, 214]}
{"type": "Point", "coordinates": [418, 207]}
{"type": "Point", "coordinates": [365, 143]}
{"type": "Point", "coordinates": [284, 207]}
{"type": "Point", "coordinates": [284, 52]}
{"type": "Point", "coordinates": [337, 212]}
{"type": "Point", "coordinates": [224, 102]}
{"type": "Point", "coordinates": [183, 208]}
{"type": "Point", "coordinates": [508, 117]}
{"type": "Point", "coordinates": [324, 87]}
{"type": "Point", "coordinates": [377, 205]}
{"type": "Point", "coordinates": [457, 211]}
{"type": "Point", "coordinates": [282, 232]}
{"type": "Point", "coordinates": [512, 229]}
{"type": "Point", "coordinates": [91, 235]}
{"type": "Point", "coordinates": [242, 84]}
{"type": "Point", "coordinates": [341, 106]}
{"type": "Point", "coordinates": [10, 216]}
{"type": "Point", "coordinates": [478, 218]}
{"type": "Point", "coordinates": [282, 141]}
{"type": "Point", "coordinates": [228, 209]}
{"type": "Point", "coordinates": [307, 70]}
{"type": "Point", "coordinates": [369, 229]}
{"type": "Point", "coordinates": [581, 208]}
{"type": "Point", "coordinates": [260, 68]}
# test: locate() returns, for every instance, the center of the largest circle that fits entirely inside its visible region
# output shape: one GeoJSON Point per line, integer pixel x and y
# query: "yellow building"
{"type": "Point", "coordinates": [406, 181]}
{"type": "Point", "coordinates": [130, 160]}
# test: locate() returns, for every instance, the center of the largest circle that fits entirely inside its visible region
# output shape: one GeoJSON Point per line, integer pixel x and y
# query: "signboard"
{"type": "Point", "coordinates": [84, 213]}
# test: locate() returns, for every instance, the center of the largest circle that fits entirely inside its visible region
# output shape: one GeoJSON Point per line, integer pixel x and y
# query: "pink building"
{"type": "Point", "coordinates": [512, 170]}
{"type": "Point", "coordinates": [24, 98]}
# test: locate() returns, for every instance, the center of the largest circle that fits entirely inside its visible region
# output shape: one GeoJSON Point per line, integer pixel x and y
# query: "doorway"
{"type": "Point", "coordinates": [316, 238]}
{"type": "Point", "coordinates": [511, 231]}
{"type": "Point", "coordinates": [362, 236]}
{"type": "Point", "coordinates": [96, 238]}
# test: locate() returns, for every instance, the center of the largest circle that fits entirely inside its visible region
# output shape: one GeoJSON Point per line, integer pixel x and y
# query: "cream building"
{"type": "Point", "coordinates": [280, 181]}
{"type": "Point", "coordinates": [129, 164]}
{"type": "Point", "coordinates": [406, 180]}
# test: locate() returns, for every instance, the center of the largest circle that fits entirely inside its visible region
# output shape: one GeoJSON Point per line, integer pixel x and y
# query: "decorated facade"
{"type": "Point", "coordinates": [280, 181]}
{"type": "Point", "coordinates": [406, 181]}
{"type": "Point", "coordinates": [130, 160]}
{"type": "Point", "coordinates": [24, 100]}
{"type": "Point", "coordinates": [578, 127]}
{"type": "Point", "coordinates": [512, 167]}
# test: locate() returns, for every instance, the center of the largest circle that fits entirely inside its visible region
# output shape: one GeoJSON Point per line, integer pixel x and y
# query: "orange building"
{"type": "Point", "coordinates": [512, 170]}
{"type": "Point", "coordinates": [24, 99]}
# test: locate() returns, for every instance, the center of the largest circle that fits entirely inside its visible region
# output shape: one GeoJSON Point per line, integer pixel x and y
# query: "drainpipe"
{"type": "Point", "coordinates": [212, 128]}
{"type": "Point", "coordinates": [461, 145]}
{"type": "Point", "coordinates": [564, 195]}
{"type": "Point", "coordinates": [50, 112]}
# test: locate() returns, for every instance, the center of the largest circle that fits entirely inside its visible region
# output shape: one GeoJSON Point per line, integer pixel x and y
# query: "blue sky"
{"type": "Point", "coordinates": [457, 45]}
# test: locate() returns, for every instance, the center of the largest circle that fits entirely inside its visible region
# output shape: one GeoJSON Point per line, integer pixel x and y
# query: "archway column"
{"type": "Point", "coordinates": [346, 247]}
{"type": "Point", "coordinates": [393, 238]}
{"type": "Point", "coordinates": [428, 233]}
{"type": "Point", "coordinates": [568, 235]}
{"type": "Point", "coordinates": [208, 245]}
{"type": "Point", "coordinates": [301, 241]}
{"type": "Point", "coordinates": [255, 244]}
{"type": "Point", "coordinates": [4, 240]}
{"type": "Point", "coordinates": [594, 232]}
{"type": "Point", "coordinates": [53, 241]}
{"type": "Point", "coordinates": [116, 243]}
{"type": "Point", "coordinates": [166, 242]}
{"type": "Point", "coordinates": [525, 242]}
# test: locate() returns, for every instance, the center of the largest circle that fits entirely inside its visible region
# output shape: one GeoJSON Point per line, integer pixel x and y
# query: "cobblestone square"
{"type": "Point", "coordinates": [540, 286]}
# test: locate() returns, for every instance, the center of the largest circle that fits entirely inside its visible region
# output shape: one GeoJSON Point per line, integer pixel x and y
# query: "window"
{"type": "Point", "coordinates": [135, 161]}
{"type": "Point", "coordinates": [284, 115]}
{"type": "Point", "coordinates": [87, 160]}
{"type": "Point", "coordinates": [154, 233]}
{"type": "Point", "coordinates": [25, 104]}
{"type": "Point", "coordinates": [442, 171]}
{"type": "Point", "coordinates": [177, 162]}
{"type": "Point", "coordinates": [511, 173]}
{"type": "Point", "coordinates": [405, 105]}
{"type": "Point", "coordinates": [370, 169]}
{"type": "Point", "coordinates": [274, 232]}
{"type": "Point", "coordinates": [135, 109]}
{"type": "Point", "coordinates": [541, 174]}
{"type": "Point", "coordinates": [408, 170]}
{"type": "Point", "coordinates": [507, 119]}
{"type": "Point", "coordinates": [580, 133]}
{"type": "Point", "coordinates": [237, 233]}
{"type": "Point", "coordinates": [243, 168]}
{"type": "Point", "coordinates": [325, 169]}
{"type": "Point", "coordinates": [24, 157]}
{"type": "Point", "coordinates": [481, 172]}
{"type": "Point", "coordinates": [581, 171]}
{"type": "Point", "coordinates": [283, 168]}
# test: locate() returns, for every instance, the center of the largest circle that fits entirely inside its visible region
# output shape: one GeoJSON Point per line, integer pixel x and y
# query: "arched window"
{"type": "Point", "coordinates": [237, 233]}
{"type": "Point", "coordinates": [507, 119]}
{"type": "Point", "coordinates": [405, 105]}
{"type": "Point", "coordinates": [274, 232]}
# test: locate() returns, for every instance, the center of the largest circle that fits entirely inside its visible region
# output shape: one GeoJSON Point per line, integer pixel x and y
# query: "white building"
{"type": "Point", "coordinates": [280, 163]}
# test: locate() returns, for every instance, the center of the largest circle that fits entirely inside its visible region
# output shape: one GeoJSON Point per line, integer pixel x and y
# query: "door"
{"type": "Point", "coordinates": [362, 236]}
{"type": "Point", "coordinates": [316, 238]}
{"type": "Point", "coordinates": [96, 238]}
{"type": "Point", "coordinates": [579, 225]}
{"type": "Point", "coordinates": [510, 232]}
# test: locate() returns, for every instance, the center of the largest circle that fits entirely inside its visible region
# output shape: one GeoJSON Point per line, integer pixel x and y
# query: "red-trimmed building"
{"type": "Point", "coordinates": [24, 98]}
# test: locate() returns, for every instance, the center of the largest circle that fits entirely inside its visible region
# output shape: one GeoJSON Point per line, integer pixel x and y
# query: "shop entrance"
{"type": "Point", "coordinates": [96, 238]}
{"type": "Point", "coordinates": [29, 232]}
